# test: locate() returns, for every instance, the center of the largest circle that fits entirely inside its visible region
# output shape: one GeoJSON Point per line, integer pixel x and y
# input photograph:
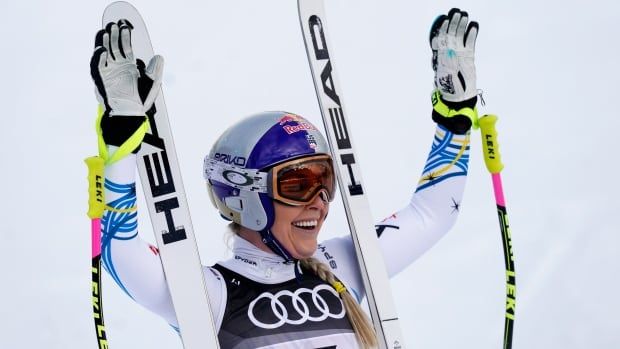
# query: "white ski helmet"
{"type": "Point", "coordinates": [235, 167]}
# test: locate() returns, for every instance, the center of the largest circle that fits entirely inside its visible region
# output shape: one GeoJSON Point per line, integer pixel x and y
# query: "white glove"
{"type": "Point", "coordinates": [453, 42]}
{"type": "Point", "coordinates": [114, 70]}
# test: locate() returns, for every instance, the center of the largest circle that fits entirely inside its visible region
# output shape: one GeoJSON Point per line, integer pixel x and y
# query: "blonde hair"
{"type": "Point", "coordinates": [364, 331]}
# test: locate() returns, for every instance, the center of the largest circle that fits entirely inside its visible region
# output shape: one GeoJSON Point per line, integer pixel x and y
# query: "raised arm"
{"type": "Point", "coordinates": [121, 125]}
{"type": "Point", "coordinates": [434, 206]}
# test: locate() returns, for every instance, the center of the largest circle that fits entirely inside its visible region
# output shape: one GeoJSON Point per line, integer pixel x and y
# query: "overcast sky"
{"type": "Point", "coordinates": [549, 69]}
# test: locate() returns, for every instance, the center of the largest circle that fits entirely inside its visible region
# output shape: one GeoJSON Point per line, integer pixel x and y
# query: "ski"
{"type": "Point", "coordinates": [335, 119]}
{"type": "Point", "coordinates": [165, 196]}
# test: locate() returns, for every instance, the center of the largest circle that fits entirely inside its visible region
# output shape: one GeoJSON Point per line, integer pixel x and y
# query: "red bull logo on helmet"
{"type": "Point", "coordinates": [290, 118]}
{"type": "Point", "coordinates": [302, 124]}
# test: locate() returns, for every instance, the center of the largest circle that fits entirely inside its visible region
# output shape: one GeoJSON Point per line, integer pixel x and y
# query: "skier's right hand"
{"type": "Point", "coordinates": [124, 86]}
{"type": "Point", "coordinates": [115, 73]}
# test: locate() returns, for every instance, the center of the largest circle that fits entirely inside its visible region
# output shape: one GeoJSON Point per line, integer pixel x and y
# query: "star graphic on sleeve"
{"type": "Point", "coordinates": [455, 206]}
{"type": "Point", "coordinates": [430, 177]}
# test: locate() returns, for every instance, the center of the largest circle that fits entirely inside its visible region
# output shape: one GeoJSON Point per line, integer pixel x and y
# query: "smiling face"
{"type": "Point", "coordinates": [297, 227]}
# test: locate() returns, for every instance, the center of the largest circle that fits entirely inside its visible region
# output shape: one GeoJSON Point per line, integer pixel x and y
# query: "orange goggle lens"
{"type": "Point", "coordinates": [298, 182]}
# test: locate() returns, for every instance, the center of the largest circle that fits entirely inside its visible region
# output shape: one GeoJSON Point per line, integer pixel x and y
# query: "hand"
{"type": "Point", "coordinates": [453, 40]}
{"type": "Point", "coordinates": [149, 82]}
{"type": "Point", "coordinates": [116, 75]}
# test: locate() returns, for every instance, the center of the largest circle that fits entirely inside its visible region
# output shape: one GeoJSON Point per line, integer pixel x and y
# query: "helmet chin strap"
{"type": "Point", "coordinates": [274, 245]}
{"type": "Point", "coordinates": [270, 240]}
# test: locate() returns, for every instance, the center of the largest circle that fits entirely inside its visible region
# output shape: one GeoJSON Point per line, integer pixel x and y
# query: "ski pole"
{"type": "Point", "coordinates": [493, 162]}
{"type": "Point", "coordinates": [96, 206]}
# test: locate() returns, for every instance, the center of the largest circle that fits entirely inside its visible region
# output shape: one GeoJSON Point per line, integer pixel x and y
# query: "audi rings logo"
{"type": "Point", "coordinates": [305, 305]}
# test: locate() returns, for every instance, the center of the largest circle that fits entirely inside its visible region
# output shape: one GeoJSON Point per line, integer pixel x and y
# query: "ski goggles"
{"type": "Point", "coordinates": [298, 182]}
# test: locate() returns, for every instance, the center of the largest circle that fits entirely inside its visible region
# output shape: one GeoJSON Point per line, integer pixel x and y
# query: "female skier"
{"type": "Point", "coordinates": [281, 288]}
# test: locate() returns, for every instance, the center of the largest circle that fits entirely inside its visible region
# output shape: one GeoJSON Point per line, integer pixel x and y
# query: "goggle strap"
{"type": "Point", "coordinates": [237, 177]}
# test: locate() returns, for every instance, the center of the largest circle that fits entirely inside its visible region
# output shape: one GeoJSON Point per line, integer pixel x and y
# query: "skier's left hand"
{"type": "Point", "coordinates": [453, 40]}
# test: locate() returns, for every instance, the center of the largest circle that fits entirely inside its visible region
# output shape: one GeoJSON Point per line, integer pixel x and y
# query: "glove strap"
{"type": "Point", "coordinates": [442, 109]}
{"type": "Point", "coordinates": [131, 144]}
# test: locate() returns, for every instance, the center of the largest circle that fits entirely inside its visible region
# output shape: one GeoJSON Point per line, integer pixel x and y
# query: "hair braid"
{"type": "Point", "coordinates": [364, 331]}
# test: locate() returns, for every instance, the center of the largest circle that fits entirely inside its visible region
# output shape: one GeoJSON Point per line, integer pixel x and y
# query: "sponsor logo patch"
{"type": "Point", "coordinates": [270, 311]}
{"type": "Point", "coordinates": [301, 126]}
{"type": "Point", "coordinates": [245, 260]}
{"type": "Point", "coordinates": [290, 118]}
